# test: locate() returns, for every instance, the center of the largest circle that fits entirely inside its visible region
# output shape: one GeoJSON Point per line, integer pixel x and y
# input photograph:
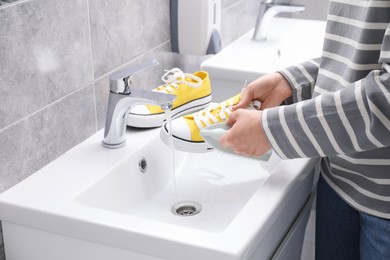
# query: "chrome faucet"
{"type": "Point", "coordinates": [123, 97]}
{"type": "Point", "coordinates": [267, 10]}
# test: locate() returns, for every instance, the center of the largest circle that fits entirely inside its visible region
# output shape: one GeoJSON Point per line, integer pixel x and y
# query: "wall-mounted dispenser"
{"type": "Point", "coordinates": [195, 26]}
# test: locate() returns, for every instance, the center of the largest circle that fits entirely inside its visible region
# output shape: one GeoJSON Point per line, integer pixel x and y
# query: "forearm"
{"type": "Point", "coordinates": [332, 123]}
{"type": "Point", "coordinates": [302, 79]}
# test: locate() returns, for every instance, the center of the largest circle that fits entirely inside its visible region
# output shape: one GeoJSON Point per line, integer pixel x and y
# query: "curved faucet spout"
{"type": "Point", "coordinates": [266, 12]}
{"type": "Point", "coordinates": [118, 110]}
{"type": "Point", "coordinates": [122, 98]}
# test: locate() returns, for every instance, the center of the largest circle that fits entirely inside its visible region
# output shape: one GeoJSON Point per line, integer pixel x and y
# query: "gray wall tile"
{"type": "Point", "coordinates": [226, 3]}
{"type": "Point", "coordinates": [37, 140]}
{"type": "Point", "coordinates": [45, 54]}
{"type": "Point", "coordinates": [122, 30]}
{"type": "Point", "coordinates": [237, 19]}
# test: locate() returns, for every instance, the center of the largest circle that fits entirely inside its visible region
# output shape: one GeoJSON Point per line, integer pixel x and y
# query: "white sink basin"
{"type": "Point", "coordinates": [216, 181]}
{"type": "Point", "coordinates": [289, 42]}
{"type": "Point", "coordinates": [95, 203]}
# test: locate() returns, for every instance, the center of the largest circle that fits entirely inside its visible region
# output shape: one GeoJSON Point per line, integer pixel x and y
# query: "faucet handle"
{"type": "Point", "coordinates": [120, 81]}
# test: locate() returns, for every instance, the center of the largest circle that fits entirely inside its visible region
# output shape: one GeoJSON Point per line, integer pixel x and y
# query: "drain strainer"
{"type": "Point", "coordinates": [186, 208]}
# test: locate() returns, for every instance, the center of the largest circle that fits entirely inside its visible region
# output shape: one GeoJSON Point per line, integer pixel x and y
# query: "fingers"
{"type": "Point", "coordinates": [229, 140]}
{"type": "Point", "coordinates": [246, 136]}
{"type": "Point", "coordinates": [232, 118]}
{"type": "Point", "coordinates": [226, 140]}
{"type": "Point", "coordinates": [245, 98]}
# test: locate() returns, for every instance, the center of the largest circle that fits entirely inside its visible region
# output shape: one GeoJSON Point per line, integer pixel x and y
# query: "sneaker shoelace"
{"type": "Point", "coordinates": [209, 115]}
{"type": "Point", "coordinates": [174, 77]}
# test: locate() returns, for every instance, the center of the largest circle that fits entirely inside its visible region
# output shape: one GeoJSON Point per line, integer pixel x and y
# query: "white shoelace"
{"type": "Point", "coordinates": [205, 115]}
{"type": "Point", "coordinates": [202, 118]}
{"type": "Point", "coordinates": [174, 77]}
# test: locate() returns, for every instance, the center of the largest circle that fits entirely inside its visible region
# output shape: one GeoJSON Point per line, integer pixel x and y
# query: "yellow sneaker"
{"type": "Point", "coordinates": [186, 130]}
{"type": "Point", "coordinates": [193, 92]}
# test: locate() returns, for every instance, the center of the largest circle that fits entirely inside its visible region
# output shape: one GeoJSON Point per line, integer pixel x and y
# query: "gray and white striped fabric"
{"type": "Point", "coordinates": [341, 106]}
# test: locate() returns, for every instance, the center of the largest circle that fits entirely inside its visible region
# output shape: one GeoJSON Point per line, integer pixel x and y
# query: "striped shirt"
{"type": "Point", "coordinates": [340, 109]}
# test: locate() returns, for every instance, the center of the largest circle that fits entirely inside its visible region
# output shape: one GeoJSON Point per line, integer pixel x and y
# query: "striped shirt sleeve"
{"type": "Point", "coordinates": [302, 79]}
{"type": "Point", "coordinates": [353, 119]}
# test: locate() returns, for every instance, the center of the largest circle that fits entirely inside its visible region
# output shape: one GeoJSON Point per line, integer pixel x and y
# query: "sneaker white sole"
{"type": "Point", "coordinates": [157, 120]}
{"type": "Point", "coordinates": [183, 144]}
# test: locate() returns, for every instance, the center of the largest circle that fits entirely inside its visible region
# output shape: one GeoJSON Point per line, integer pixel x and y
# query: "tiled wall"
{"type": "Point", "coordinates": [55, 59]}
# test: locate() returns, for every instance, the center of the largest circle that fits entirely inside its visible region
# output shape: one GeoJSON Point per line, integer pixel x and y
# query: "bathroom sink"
{"type": "Point", "coordinates": [210, 180]}
{"type": "Point", "coordinates": [289, 42]}
{"type": "Point", "coordinates": [98, 203]}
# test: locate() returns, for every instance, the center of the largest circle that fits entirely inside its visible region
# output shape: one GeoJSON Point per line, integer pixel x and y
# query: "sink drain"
{"type": "Point", "coordinates": [143, 165]}
{"type": "Point", "coordinates": [186, 208]}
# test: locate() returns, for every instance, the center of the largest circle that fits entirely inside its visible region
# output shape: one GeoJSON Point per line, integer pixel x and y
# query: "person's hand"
{"type": "Point", "coordinates": [246, 136]}
{"type": "Point", "coordinates": [271, 90]}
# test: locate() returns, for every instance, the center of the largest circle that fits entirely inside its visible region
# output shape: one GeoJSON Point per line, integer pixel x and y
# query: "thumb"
{"type": "Point", "coordinates": [245, 98]}
{"type": "Point", "coordinates": [232, 118]}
